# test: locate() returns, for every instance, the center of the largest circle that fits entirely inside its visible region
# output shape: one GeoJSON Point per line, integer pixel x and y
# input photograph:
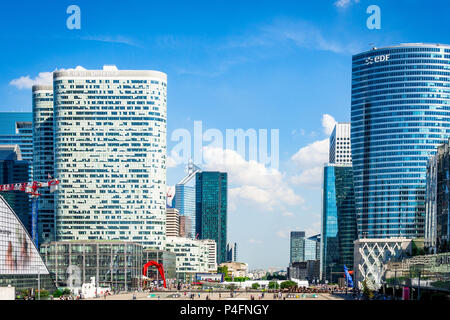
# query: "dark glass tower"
{"type": "Point", "coordinates": [400, 114]}
{"type": "Point", "coordinates": [338, 221]}
{"type": "Point", "coordinates": [211, 209]}
{"type": "Point", "coordinates": [15, 170]}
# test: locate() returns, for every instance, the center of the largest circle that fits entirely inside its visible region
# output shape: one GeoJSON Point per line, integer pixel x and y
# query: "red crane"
{"type": "Point", "coordinates": [32, 189]}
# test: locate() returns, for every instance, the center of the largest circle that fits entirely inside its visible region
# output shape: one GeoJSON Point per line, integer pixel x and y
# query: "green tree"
{"type": "Point", "coordinates": [255, 285]}
{"type": "Point", "coordinates": [288, 284]}
{"type": "Point", "coordinates": [274, 285]}
{"type": "Point", "coordinates": [57, 293]}
{"type": "Point", "coordinates": [223, 270]}
{"type": "Point", "coordinates": [366, 290]}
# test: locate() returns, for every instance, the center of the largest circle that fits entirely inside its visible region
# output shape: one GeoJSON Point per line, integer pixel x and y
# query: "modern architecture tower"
{"type": "Point", "coordinates": [340, 148]}
{"type": "Point", "coordinates": [110, 155]}
{"type": "Point", "coordinates": [400, 114]}
{"type": "Point", "coordinates": [43, 161]}
{"type": "Point", "coordinates": [338, 221]}
{"type": "Point", "coordinates": [185, 199]}
{"type": "Point", "coordinates": [211, 209]}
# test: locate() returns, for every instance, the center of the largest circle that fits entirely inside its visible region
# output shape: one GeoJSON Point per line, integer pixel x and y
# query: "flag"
{"type": "Point", "coordinates": [348, 277]}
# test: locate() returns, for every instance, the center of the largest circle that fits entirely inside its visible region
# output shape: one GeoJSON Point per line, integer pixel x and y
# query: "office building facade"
{"type": "Point", "coordinates": [43, 161]}
{"type": "Point", "coordinates": [114, 264]}
{"type": "Point", "coordinates": [399, 116]}
{"type": "Point", "coordinates": [211, 209]}
{"type": "Point", "coordinates": [13, 169]}
{"type": "Point", "coordinates": [185, 204]}
{"type": "Point", "coordinates": [437, 222]}
{"type": "Point", "coordinates": [16, 128]}
{"type": "Point", "coordinates": [110, 155]}
{"type": "Point", "coordinates": [338, 221]}
{"type": "Point", "coordinates": [172, 222]}
{"type": "Point", "coordinates": [340, 146]}
{"type": "Point", "coordinates": [297, 246]}
{"type": "Point", "coordinates": [192, 256]}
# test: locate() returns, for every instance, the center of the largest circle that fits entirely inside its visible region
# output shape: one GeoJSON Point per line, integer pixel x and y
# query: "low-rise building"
{"type": "Point", "coordinates": [166, 258]}
{"type": "Point", "coordinates": [236, 269]}
{"type": "Point", "coordinates": [191, 256]}
{"type": "Point", "coordinates": [113, 263]}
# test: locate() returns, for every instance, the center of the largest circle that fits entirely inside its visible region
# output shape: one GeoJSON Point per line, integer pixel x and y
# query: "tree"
{"type": "Point", "coordinates": [366, 290]}
{"type": "Point", "coordinates": [274, 285]}
{"type": "Point", "coordinates": [255, 285]}
{"type": "Point", "coordinates": [288, 284]}
{"type": "Point", "coordinates": [223, 270]}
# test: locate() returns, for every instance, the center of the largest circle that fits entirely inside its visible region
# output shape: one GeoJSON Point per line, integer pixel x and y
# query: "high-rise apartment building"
{"type": "Point", "coordinates": [211, 209]}
{"type": "Point", "coordinates": [399, 116]}
{"type": "Point", "coordinates": [110, 155]}
{"type": "Point", "coordinates": [340, 146]}
{"type": "Point", "coordinates": [338, 220]}
{"type": "Point", "coordinates": [172, 222]}
{"type": "Point", "coordinates": [43, 161]}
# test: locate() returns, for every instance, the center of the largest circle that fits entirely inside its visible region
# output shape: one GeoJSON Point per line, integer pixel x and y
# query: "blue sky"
{"type": "Point", "coordinates": [231, 64]}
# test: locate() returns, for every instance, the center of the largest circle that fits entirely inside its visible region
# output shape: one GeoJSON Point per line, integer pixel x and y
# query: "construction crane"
{"type": "Point", "coordinates": [32, 189]}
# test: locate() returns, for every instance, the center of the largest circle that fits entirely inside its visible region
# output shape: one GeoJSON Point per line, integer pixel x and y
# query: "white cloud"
{"type": "Point", "coordinates": [345, 3]}
{"type": "Point", "coordinates": [25, 82]}
{"type": "Point", "coordinates": [310, 159]}
{"type": "Point", "coordinates": [171, 162]}
{"type": "Point", "coordinates": [252, 181]}
{"type": "Point", "coordinates": [287, 214]}
{"type": "Point", "coordinates": [43, 78]}
{"type": "Point", "coordinates": [310, 178]}
{"type": "Point", "coordinates": [328, 123]}
{"type": "Point", "coordinates": [254, 241]}
{"type": "Point", "coordinates": [312, 155]}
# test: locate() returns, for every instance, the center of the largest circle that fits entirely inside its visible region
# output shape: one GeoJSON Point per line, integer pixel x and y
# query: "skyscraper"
{"type": "Point", "coordinates": [110, 155]}
{"type": "Point", "coordinates": [211, 209]}
{"type": "Point", "coordinates": [16, 128]}
{"type": "Point", "coordinates": [338, 220]}
{"type": "Point", "coordinates": [43, 161]}
{"type": "Point", "coordinates": [13, 169]}
{"type": "Point", "coordinates": [172, 222]}
{"type": "Point", "coordinates": [399, 116]}
{"type": "Point", "coordinates": [297, 246]}
{"type": "Point", "coordinates": [340, 148]}
{"type": "Point", "coordinates": [185, 204]}
{"type": "Point", "coordinates": [437, 226]}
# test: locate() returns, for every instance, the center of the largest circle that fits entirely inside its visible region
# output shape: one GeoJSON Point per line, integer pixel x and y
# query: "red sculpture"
{"type": "Point", "coordinates": [157, 265]}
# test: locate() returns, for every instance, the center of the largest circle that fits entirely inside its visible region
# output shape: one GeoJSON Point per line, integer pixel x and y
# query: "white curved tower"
{"type": "Point", "coordinates": [110, 155]}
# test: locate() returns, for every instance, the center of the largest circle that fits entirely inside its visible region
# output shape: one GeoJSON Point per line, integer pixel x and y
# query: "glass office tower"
{"type": "Point", "coordinates": [43, 162]}
{"type": "Point", "coordinates": [400, 114]}
{"type": "Point", "coordinates": [15, 170]}
{"type": "Point", "coordinates": [297, 246]}
{"type": "Point", "coordinates": [16, 128]}
{"type": "Point", "coordinates": [338, 221]}
{"type": "Point", "coordinates": [211, 209]}
{"type": "Point", "coordinates": [185, 203]}
{"type": "Point", "coordinates": [110, 155]}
